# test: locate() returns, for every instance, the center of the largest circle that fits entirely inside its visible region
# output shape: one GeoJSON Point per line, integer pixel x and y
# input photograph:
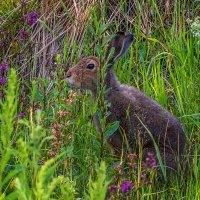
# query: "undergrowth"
{"type": "Point", "coordinates": [49, 148]}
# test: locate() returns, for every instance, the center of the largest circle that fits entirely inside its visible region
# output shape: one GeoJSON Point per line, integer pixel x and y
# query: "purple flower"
{"type": "Point", "coordinates": [149, 183]}
{"type": "Point", "coordinates": [126, 186]}
{"type": "Point", "coordinates": [38, 107]}
{"type": "Point", "coordinates": [3, 81]}
{"type": "Point", "coordinates": [20, 116]}
{"type": "Point", "coordinates": [113, 188]}
{"type": "Point", "coordinates": [23, 34]}
{"type": "Point", "coordinates": [143, 164]}
{"type": "Point", "coordinates": [1, 30]}
{"type": "Point", "coordinates": [4, 67]}
{"type": "Point", "coordinates": [31, 18]}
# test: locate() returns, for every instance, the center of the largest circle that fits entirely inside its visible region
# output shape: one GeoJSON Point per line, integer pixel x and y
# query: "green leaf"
{"type": "Point", "coordinates": [45, 25]}
{"type": "Point", "coordinates": [112, 127]}
{"type": "Point", "coordinates": [157, 150]}
{"type": "Point", "coordinates": [11, 196]}
{"type": "Point", "coordinates": [71, 18]}
{"type": "Point", "coordinates": [8, 110]}
{"type": "Point", "coordinates": [6, 154]}
{"type": "Point", "coordinates": [98, 188]}
{"type": "Point", "coordinates": [11, 174]}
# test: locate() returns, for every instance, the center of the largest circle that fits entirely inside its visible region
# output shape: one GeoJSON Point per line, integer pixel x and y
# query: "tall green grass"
{"type": "Point", "coordinates": [163, 64]}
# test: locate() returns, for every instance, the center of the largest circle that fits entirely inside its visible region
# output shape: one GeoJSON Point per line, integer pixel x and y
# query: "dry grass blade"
{"type": "Point", "coordinates": [69, 18]}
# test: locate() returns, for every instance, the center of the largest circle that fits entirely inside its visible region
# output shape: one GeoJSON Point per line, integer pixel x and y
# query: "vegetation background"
{"type": "Point", "coordinates": [49, 148]}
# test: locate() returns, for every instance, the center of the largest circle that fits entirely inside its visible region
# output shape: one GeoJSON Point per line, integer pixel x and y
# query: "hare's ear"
{"type": "Point", "coordinates": [120, 43]}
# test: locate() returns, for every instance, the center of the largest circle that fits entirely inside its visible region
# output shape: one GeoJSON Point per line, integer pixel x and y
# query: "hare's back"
{"type": "Point", "coordinates": [137, 113]}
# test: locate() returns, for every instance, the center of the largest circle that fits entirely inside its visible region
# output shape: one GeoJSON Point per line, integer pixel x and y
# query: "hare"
{"type": "Point", "coordinates": [142, 120]}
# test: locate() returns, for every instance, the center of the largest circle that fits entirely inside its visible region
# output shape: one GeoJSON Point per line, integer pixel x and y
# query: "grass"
{"type": "Point", "coordinates": [54, 151]}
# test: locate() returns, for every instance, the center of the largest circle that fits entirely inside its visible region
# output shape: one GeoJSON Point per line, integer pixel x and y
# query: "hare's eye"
{"type": "Point", "coordinates": [90, 66]}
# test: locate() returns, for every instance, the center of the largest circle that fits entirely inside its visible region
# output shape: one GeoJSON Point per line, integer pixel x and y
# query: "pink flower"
{"type": "Point", "coordinates": [126, 187]}
{"type": "Point", "coordinates": [142, 176]}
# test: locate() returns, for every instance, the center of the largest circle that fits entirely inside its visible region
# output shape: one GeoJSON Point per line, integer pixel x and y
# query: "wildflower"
{"type": "Point", "coordinates": [143, 164]}
{"type": "Point", "coordinates": [142, 176]}
{"type": "Point", "coordinates": [4, 67]}
{"type": "Point", "coordinates": [132, 157]}
{"type": "Point", "coordinates": [42, 161]}
{"type": "Point", "coordinates": [23, 34]}
{"type": "Point", "coordinates": [31, 18]}
{"type": "Point", "coordinates": [113, 188]}
{"type": "Point", "coordinates": [1, 30]}
{"type": "Point", "coordinates": [56, 131]}
{"type": "Point", "coordinates": [3, 81]}
{"type": "Point", "coordinates": [62, 113]}
{"type": "Point", "coordinates": [70, 101]}
{"type": "Point", "coordinates": [56, 144]}
{"type": "Point", "coordinates": [149, 183]}
{"type": "Point", "coordinates": [20, 116]}
{"type": "Point", "coordinates": [52, 154]}
{"type": "Point", "coordinates": [151, 160]}
{"type": "Point", "coordinates": [126, 187]}
{"type": "Point", "coordinates": [38, 107]}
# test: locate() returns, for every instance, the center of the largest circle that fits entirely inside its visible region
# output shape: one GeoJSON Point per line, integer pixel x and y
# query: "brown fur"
{"type": "Point", "coordinates": [83, 77]}
{"type": "Point", "coordinates": [137, 115]}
